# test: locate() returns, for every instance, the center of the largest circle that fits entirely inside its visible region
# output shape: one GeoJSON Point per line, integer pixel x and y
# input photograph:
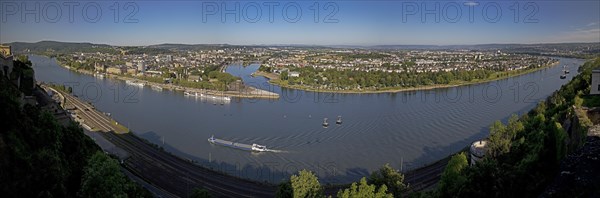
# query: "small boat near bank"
{"type": "Point", "coordinates": [156, 88]}
{"type": "Point", "coordinates": [207, 96]}
{"type": "Point", "coordinates": [236, 145]}
{"type": "Point", "coordinates": [99, 75]}
{"type": "Point", "coordinates": [339, 120]}
{"type": "Point", "coordinates": [135, 83]}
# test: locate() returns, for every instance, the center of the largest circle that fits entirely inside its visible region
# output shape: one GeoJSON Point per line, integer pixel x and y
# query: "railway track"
{"type": "Point", "coordinates": [156, 165]}
{"type": "Point", "coordinates": [179, 176]}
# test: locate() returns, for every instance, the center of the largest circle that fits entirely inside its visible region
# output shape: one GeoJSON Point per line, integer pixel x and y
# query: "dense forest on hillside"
{"type": "Point", "coordinates": [524, 155]}
{"type": "Point", "coordinates": [41, 158]}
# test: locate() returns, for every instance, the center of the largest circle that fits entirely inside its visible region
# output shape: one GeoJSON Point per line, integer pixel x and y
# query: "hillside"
{"type": "Point", "coordinates": [40, 157]}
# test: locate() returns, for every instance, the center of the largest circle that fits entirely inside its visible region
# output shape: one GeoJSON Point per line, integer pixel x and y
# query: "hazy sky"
{"type": "Point", "coordinates": [301, 22]}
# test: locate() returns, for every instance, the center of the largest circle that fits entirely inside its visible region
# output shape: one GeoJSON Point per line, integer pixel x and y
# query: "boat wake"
{"type": "Point", "coordinates": [242, 146]}
{"type": "Point", "coordinates": [276, 151]}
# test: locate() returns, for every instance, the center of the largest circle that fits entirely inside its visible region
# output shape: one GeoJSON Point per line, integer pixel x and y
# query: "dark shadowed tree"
{"type": "Point", "coordinates": [391, 178]}
{"type": "Point", "coordinates": [103, 178]}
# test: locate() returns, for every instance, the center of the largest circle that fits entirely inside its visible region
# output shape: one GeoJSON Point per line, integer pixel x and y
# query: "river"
{"type": "Point", "coordinates": [405, 129]}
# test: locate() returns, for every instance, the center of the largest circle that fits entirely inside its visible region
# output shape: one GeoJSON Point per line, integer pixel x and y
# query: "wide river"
{"type": "Point", "coordinates": [406, 129]}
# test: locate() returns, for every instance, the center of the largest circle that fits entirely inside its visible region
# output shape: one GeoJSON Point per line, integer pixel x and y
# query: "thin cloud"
{"type": "Point", "coordinates": [581, 35]}
{"type": "Point", "coordinates": [592, 24]}
{"type": "Point", "coordinates": [470, 3]}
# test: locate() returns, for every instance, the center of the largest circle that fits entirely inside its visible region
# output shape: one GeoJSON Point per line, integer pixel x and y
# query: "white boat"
{"type": "Point", "coordinates": [222, 98]}
{"type": "Point", "coordinates": [99, 75]}
{"type": "Point", "coordinates": [325, 123]}
{"type": "Point", "coordinates": [257, 147]}
{"type": "Point", "coordinates": [157, 88]}
{"type": "Point", "coordinates": [211, 97]}
{"type": "Point", "coordinates": [135, 83]}
{"type": "Point", "coordinates": [253, 147]}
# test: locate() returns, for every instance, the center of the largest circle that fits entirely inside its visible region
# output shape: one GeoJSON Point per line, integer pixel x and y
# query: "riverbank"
{"type": "Point", "coordinates": [246, 92]}
{"type": "Point", "coordinates": [274, 79]}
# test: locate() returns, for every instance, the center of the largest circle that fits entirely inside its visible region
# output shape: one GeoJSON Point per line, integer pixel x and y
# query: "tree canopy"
{"type": "Point", "coordinates": [306, 184]}
{"type": "Point", "coordinates": [389, 177]}
{"type": "Point", "coordinates": [363, 190]}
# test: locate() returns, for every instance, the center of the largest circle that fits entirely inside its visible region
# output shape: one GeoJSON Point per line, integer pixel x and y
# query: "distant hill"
{"type": "Point", "coordinates": [66, 47]}
{"type": "Point", "coordinates": [43, 46]}
{"type": "Point", "coordinates": [173, 46]}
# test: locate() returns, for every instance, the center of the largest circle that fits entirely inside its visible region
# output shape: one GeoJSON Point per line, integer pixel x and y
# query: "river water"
{"type": "Point", "coordinates": [405, 129]}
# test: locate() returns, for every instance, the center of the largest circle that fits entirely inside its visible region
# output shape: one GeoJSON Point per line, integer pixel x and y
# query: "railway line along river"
{"type": "Point", "coordinates": [405, 129]}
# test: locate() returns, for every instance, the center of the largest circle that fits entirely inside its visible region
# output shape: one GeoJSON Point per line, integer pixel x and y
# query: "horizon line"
{"type": "Point", "coordinates": [290, 44]}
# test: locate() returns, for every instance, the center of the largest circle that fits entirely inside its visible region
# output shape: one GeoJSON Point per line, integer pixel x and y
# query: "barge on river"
{"type": "Point", "coordinates": [242, 146]}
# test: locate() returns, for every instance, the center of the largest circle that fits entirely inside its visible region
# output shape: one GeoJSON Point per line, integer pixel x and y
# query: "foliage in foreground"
{"type": "Point", "coordinates": [364, 190]}
{"type": "Point", "coordinates": [523, 155]}
{"type": "Point", "coordinates": [306, 184]}
{"type": "Point", "coordinates": [38, 156]}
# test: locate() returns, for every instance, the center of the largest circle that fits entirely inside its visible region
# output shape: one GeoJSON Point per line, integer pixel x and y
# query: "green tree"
{"type": "Point", "coordinates": [498, 143]}
{"type": "Point", "coordinates": [453, 178]}
{"type": "Point", "coordinates": [364, 190]}
{"type": "Point", "coordinates": [200, 193]}
{"type": "Point", "coordinates": [513, 127]}
{"type": "Point", "coordinates": [284, 190]}
{"type": "Point", "coordinates": [306, 184]}
{"type": "Point", "coordinates": [283, 75]}
{"type": "Point", "coordinates": [103, 178]}
{"type": "Point", "coordinates": [389, 177]}
{"type": "Point", "coordinates": [24, 59]}
{"type": "Point", "coordinates": [578, 101]}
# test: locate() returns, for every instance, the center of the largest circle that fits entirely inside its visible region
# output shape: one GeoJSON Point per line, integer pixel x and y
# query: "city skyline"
{"type": "Point", "coordinates": [278, 23]}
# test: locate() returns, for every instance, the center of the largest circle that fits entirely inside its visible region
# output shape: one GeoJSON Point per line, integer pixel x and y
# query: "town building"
{"type": "Point", "coordinates": [294, 74]}
{"type": "Point", "coordinates": [6, 60]}
{"type": "Point", "coordinates": [141, 66]}
{"type": "Point", "coordinates": [595, 85]}
{"type": "Point", "coordinates": [115, 70]}
{"type": "Point", "coordinates": [194, 78]}
{"type": "Point", "coordinates": [100, 67]}
{"type": "Point", "coordinates": [131, 70]}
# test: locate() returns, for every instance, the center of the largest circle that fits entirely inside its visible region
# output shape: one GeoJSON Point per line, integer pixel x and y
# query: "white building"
{"type": "Point", "coordinates": [141, 66]}
{"type": "Point", "coordinates": [595, 86]}
{"type": "Point", "coordinates": [294, 74]}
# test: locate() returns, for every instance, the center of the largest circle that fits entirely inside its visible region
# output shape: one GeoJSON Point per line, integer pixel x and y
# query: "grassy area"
{"type": "Point", "coordinates": [274, 79]}
{"type": "Point", "coordinates": [118, 127]}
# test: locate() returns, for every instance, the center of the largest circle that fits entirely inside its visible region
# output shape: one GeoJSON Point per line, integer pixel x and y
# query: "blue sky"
{"type": "Point", "coordinates": [337, 22]}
